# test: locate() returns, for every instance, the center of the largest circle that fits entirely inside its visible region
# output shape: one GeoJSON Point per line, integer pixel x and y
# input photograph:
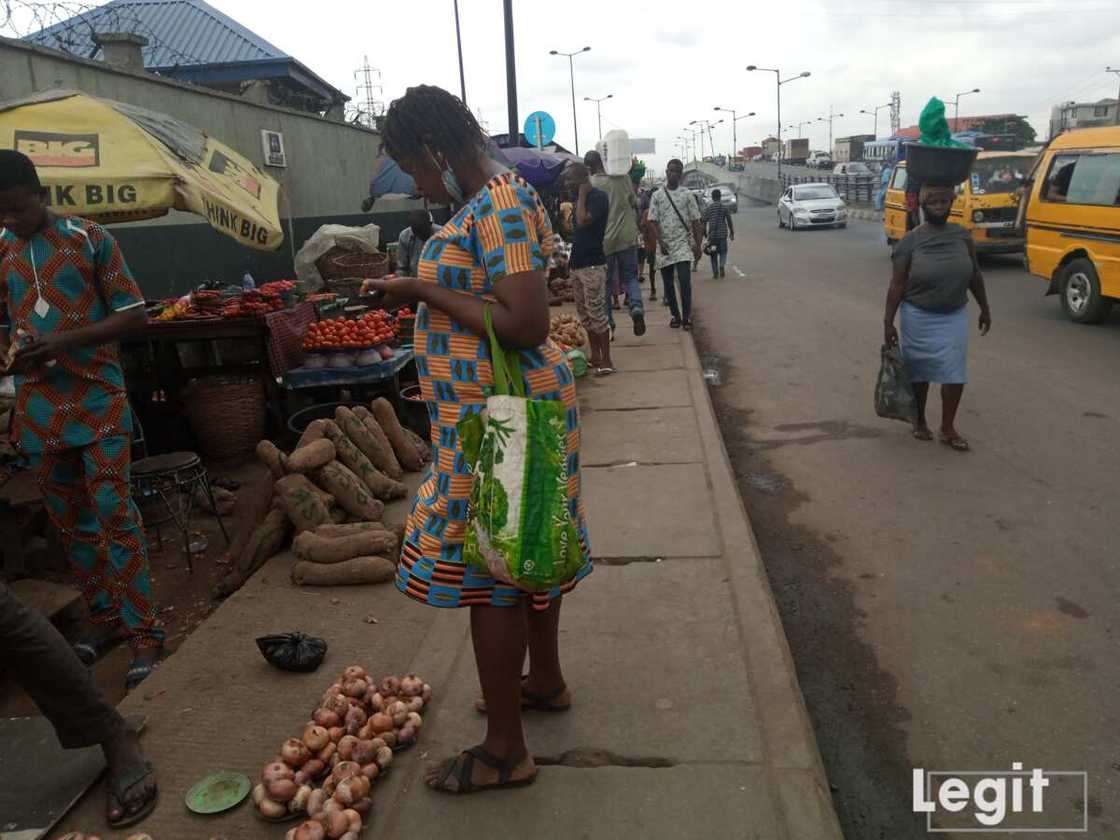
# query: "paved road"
{"type": "Point", "coordinates": [945, 610]}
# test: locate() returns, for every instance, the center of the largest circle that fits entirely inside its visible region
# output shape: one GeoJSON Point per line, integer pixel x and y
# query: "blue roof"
{"type": "Point", "coordinates": [181, 34]}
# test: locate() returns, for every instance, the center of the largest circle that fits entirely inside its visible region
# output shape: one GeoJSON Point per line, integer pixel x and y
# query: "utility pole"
{"type": "Point", "coordinates": [734, 125]}
{"type": "Point", "coordinates": [1115, 70]}
{"type": "Point", "coordinates": [778, 78]}
{"type": "Point", "coordinates": [511, 76]}
{"type": "Point", "coordinates": [459, 44]}
{"type": "Point", "coordinates": [572, 79]}
{"type": "Point", "coordinates": [896, 113]}
{"type": "Point", "coordinates": [599, 108]}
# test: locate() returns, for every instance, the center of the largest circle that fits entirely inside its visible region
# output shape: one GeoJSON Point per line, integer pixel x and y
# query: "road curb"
{"type": "Point", "coordinates": [798, 784]}
{"type": "Point", "coordinates": [865, 215]}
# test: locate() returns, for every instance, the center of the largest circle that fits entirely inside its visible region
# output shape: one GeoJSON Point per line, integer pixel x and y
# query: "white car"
{"type": "Point", "coordinates": [853, 168]}
{"type": "Point", "coordinates": [819, 160]}
{"type": "Point", "coordinates": [811, 205]}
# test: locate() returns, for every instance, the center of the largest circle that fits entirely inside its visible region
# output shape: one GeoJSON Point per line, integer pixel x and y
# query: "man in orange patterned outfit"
{"type": "Point", "coordinates": [66, 297]}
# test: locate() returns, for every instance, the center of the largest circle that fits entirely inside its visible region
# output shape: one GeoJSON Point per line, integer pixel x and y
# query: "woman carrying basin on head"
{"type": "Point", "coordinates": [935, 267]}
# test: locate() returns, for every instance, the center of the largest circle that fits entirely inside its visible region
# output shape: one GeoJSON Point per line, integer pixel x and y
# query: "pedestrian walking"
{"type": "Point", "coordinates": [935, 268]}
{"type": "Point", "coordinates": [676, 222]}
{"type": "Point", "coordinates": [67, 298]}
{"type": "Point", "coordinates": [720, 228]}
{"type": "Point", "coordinates": [46, 667]}
{"type": "Point", "coordinates": [588, 264]}
{"type": "Point", "coordinates": [647, 256]}
{"type": "Point", "coordinates": [491, 256]}
{"type": "Point", "coordinates": [620, 243]}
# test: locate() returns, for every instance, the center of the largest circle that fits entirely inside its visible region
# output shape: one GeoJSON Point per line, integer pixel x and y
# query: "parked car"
{"type": "Point", "coordinates": [819, 160]}
{"type": "Point", "coordinates": [852, 168]}
{"type": "Point", "coordinates": [758, 157]}
{"type": "Point", "coordinates": [701, 195]}
{"type": "Point", "coordinates": [811, 205]}
{"type": "Point", "coordinates": [727, 197]}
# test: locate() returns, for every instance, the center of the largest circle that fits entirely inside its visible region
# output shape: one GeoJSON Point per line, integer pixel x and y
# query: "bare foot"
{"type": "Point", "coordinates": [476, 770]}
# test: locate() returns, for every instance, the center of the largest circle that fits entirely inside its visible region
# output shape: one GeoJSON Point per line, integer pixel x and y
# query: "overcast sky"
{"type": "Point", "coordinates": [666, 68]}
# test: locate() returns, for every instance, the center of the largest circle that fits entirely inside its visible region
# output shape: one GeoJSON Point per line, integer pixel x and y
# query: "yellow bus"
{"type": "Point", "coordinates": [986, 205]}
{"type": "Point", "coordinates": [1072, 221]}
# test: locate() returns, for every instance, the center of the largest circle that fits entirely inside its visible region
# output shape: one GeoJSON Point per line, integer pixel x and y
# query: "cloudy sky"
{"type": "Point", "coordinates": [666, 68]}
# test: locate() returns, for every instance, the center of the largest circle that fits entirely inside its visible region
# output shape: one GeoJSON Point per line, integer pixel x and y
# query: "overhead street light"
{"type": "Point", "coordinates": [706, 124]}
{"type": "Point", "coordinates": [572, 77]}
{"type": "Point", "coordinates": [957, 105]}
{"type": "Point", "coordinates": [875, 114]}
{"type": "Point", "coordinates": [778, 77]}
{"type": "Point", "coordinates": [831, 116]}
{"type": "Point", "coordinates": [799, 126]}
{"type": "Point", "coordinates": [734, 120]}
{"type": "Point", "coordinates": [599, 108]}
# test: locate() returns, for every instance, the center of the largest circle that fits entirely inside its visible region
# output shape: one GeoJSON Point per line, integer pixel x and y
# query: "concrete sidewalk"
{"type": "Point", "coordinates": [687, 718]}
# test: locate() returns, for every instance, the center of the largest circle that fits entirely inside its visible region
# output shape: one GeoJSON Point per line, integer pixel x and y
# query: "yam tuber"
{"type": "Point", "coordinates": [375, 447]}
{"type": "Point", "coordinates": [273, 458]}
{"type": "Point", "coordinates": [348, 529]}
{"type": "Point", "coordinates": [311, 457]}
{"type": "Point", "coordinates": [350, 492]}
{"type": "Point", "coordinates": [423, 447]}
{"type": "Point", "coordinates": [355, 459]}
{"type": "Point", "coordinates": [386, 417]}
{"type": "Point", "coordinates": [385, 461]}
{"type": "Point", "coordinates": [360, 570]}
{"type": "Point", "coordinates": [313, 432]}
{"type": "Point", "coordinates": [314, 548]}
{"type": "Point", "coordinates": [301, 502]}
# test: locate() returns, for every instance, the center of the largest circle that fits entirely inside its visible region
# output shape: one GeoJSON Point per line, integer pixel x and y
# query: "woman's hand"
{"type": "Point", "coordinates": [890, 335]}
{"type": "Point", "coordinates": [395, 290]}
{"type": "Point", "coordinates": [985, 321]}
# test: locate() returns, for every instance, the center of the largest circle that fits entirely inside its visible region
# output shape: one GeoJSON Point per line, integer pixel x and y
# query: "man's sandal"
{"type": "Point", "coordinates": [119, 787]}
{"type": "Point", "coordinates": [462, 766]}
{"type": "Point", "coordinates": [922, 433]}
{"type": "Point", "coordinates": [955, 442]}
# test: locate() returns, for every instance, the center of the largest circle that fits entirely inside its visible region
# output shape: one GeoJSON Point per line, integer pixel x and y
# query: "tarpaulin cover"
{"type": "Point", "coordinates": [113, 162]}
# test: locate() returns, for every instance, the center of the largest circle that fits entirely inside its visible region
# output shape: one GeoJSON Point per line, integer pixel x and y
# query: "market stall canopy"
{"type": "Point", "coordinates": [113, 162]}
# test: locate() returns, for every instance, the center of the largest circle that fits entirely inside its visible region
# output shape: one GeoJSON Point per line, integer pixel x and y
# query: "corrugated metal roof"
{"type": "Point", "coordinates": [180, 32]}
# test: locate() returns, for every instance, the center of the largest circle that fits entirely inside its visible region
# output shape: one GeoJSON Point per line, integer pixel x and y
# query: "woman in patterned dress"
{"type": "Point", "coordinates": [494, 252]}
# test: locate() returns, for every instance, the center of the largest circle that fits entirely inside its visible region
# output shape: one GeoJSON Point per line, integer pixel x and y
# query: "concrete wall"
{"type": "Point", "coordinates": [746, 184]}
{"type": "Point", "coordinates": [328, 172]}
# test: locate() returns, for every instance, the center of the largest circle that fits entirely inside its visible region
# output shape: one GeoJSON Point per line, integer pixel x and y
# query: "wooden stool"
{"type": "Point", "coordinates": [170, 480]}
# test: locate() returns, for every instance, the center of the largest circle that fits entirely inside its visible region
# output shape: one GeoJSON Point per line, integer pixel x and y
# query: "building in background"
{"type": "Point", "coordinates": [1083, 115]}
{"type": "Point", "coordinates": [959, 124]}
{"type": "Point", "coordinates": [771, 147]}
{"type": "Point", "coordinates": [191, 41]}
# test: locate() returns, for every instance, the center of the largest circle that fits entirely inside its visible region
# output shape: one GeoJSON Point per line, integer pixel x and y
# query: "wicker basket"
{"type": "Point", "coordinates": [227, 415]}
{"type": "Point", "coordinates": [338, 264]}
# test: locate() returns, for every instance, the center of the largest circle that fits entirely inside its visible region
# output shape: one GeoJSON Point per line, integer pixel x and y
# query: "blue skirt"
{"type": "Point", "coordinates": [935, 344]}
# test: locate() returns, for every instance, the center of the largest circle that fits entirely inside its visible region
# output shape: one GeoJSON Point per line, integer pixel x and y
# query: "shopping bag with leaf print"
{"type": "Point", "coordinates": [519, 529]}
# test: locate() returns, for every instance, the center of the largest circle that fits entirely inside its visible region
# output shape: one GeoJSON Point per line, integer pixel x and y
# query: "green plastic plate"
{"type": "Point", "coordinates": [218, 792]}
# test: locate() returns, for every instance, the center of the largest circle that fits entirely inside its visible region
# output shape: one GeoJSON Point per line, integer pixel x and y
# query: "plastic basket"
{"type": "Point", "coordinates": [939, 166]}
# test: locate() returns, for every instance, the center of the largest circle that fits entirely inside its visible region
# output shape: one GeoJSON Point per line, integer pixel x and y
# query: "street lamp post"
{"type": "Point", "coordinates": [706, 124]}
{"type": "Point", "coordinates": [780, 81]}
{"type": "Point", "coordinates": [572, 77]}
{"type": "Point", "coordinates": [829, 119]}
{"type": "Point", "coordinates": [734, 122]}
{"type": "Point", "coordinates": [459, 44]}
{"type": "Point", "coordinates": [799, 126]}
{"type": "Point", "coordinates": [692, 133]}
{"type": "Point", "coordinates": [875, 114]}
{"type": "Point", "coordinates": [599, 108]}
{"type": "Point", "coordinates": [957, 105]}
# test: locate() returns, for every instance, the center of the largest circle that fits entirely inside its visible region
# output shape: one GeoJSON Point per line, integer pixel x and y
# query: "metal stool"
{"type": "Point", "coordinates": [170, 480]}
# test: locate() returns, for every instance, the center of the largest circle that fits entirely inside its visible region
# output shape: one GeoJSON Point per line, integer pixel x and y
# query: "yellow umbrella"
{"type": "Point", "coordinates": [113, 162]}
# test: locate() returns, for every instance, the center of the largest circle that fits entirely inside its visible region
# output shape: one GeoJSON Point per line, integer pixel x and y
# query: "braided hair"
{"type": "Point", "coordinates": [430, 116]}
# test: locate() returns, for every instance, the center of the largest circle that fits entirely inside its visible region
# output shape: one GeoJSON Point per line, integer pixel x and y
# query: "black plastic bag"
{"type": "Point", "coordinates": [293, 651]}
{"type": "Point", "coordinates": [894, 396]}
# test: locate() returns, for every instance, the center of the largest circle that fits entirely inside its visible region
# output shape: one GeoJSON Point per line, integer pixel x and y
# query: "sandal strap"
{"type": "Point", "coordinates": [504, 767]}
{"type": "Point", "coordinates": [543, 697]}
{"type": "Point", "coordinates": [120, 785]}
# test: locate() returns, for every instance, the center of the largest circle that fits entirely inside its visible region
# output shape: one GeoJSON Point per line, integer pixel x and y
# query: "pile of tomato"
{"type": "Point", "coordinates": [373, 329]}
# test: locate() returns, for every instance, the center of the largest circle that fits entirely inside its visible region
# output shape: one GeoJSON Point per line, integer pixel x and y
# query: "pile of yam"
{"type": "Point", "coordinates": [567, 332]}
{"type": "Point", "coordinates": [330, 491]}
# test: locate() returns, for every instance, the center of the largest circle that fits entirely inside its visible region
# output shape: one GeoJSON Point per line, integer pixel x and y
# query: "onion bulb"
{"type": "Point", "coordinates": [398, 712]}
{"type": "Point", "coordinates": [384, 757]}
{"type": "Point", "coordinates": [337, 703]}
{"type": "Point", "coordinates": [326, 718]}
{"type": "Point", "coordinates": [374, 699]}
{"type": "Point", "coordinates": [354, 672]}
{"type": "Point", "coordinates": [363, 806]}
{"type": "Point", "coordinates": [414, 704]}
{"type": "Point", "coordinates": [355, 688]}
{"type": "Point", "coordinates": [348, 792]}
{"type": "Point", "coordinates": [315, 801]}
{"type": "Point", "coordinates": [355, 720]}
{"type": "Point", "coordinates": [354, 818]}
{"type": "Point", "coordinates": [316, 737]}
{"type": "Point", "coordinates": [371, 771]}
{"type": "Point", "coordinates": [381, 722]}
{"type": "Point", "coordinates": [281, 790]}
{"type": "Point", "coordinates": [426, 694]}
{"type": "Point", "coordinates": [411, 686]}
{"type": "Point", "coordinates": [390, 738]}
{"type": "Point", "coordinates": [336, 824]}
{"type": "Point", "coordinates": [345, 770]}
{"type": "Point", "coordinates": [390, 686]}
{"type": "Point", "coordinates": [406, 734]}
{"type": "Point", "coordinates": [258, 793]}
{"type": "Point", "coordinates": [276, 770]}
{"type": "Point", "coordinates": [350, 835]}
{"type": "Point", "coordinates": [272, 810]}
{"type": "Point", "coordinates": [336, 732]}
{"type": "Point", "coordinates": [298, 805]}
{"type": "Point", "coordinates": [415, 721]}
{"type": "Point", "coordinates": [364, 752]}
{"type": "Point", "coordinates": [310, 830]}
{"type": "Point", "coordinates": [294, 752]}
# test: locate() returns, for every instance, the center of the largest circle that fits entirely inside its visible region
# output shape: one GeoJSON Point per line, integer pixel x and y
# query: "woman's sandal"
{"type": "Point", "coordinates": [922, 433]}
{"type": "Point", "coordinates": [119, 787]}
{"type": "Point", "coordinates": [956, 443]}
{"type": "Point", "coordinates": [140, 670]}
{"type": "Point", "coordinates": [464, 762]}
{"type": "Point", "coordinates": [533, 701]}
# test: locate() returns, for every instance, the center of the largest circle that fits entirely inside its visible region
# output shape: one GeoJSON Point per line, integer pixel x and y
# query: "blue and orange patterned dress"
{"type": "Point", "coordinates": [503, 229]}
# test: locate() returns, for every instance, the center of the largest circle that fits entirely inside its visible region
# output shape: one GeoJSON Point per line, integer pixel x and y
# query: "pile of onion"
{"type": "Point", "coordinates": [327, 773]}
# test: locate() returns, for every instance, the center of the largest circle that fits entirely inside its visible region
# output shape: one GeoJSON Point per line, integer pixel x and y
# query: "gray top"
{"type": "Point", "coordinates": [940, 267]}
